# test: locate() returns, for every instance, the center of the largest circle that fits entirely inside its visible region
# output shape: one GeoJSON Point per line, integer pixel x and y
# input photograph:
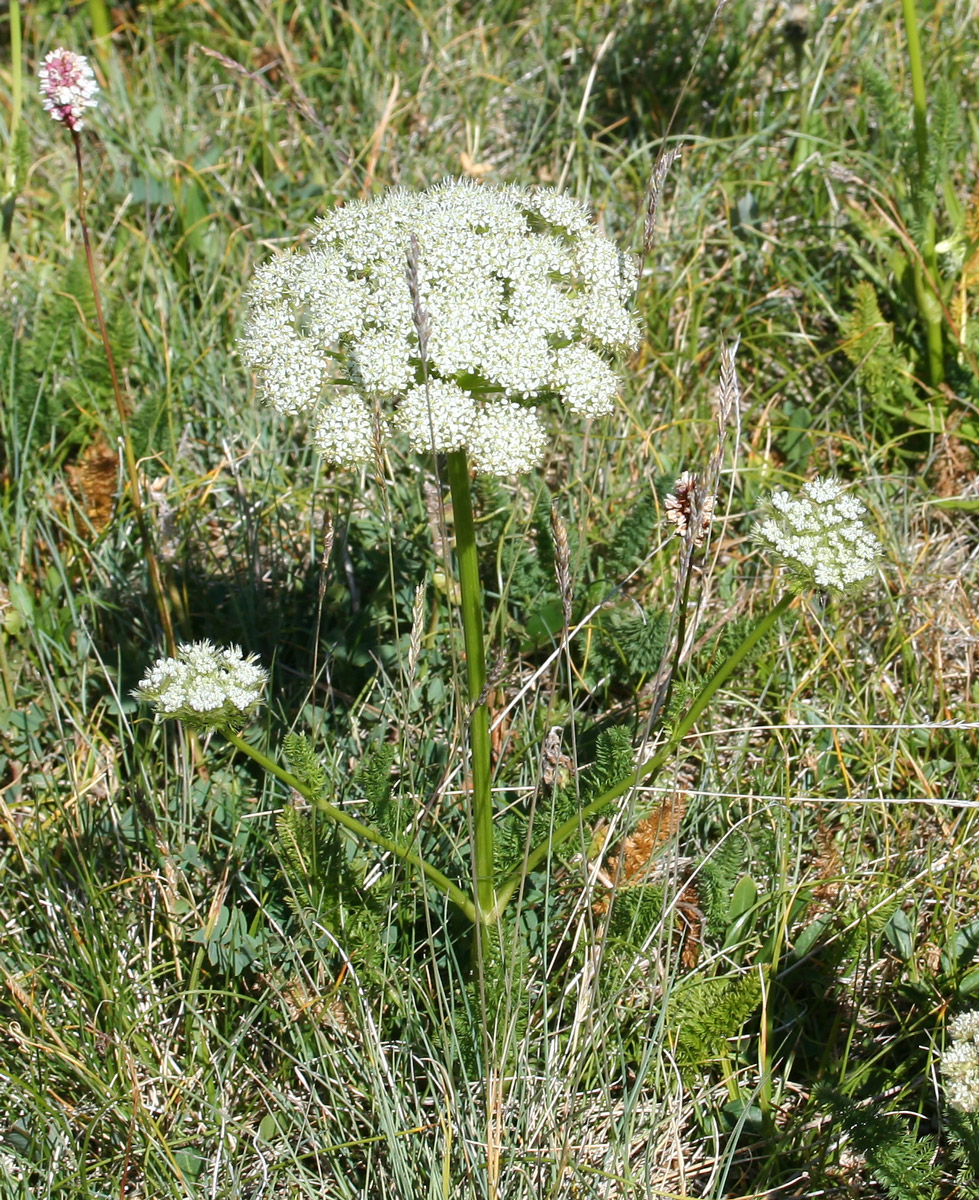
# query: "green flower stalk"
{"type": "Point", "coordinates": [68, 88]}
{"type": "Point", "coordinates": [15, 167]}
{"type": "Point", "coordinates": [926, 270]}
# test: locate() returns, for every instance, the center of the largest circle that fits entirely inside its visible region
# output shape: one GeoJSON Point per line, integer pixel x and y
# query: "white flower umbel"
{"type": "Point", "coordinates": [821, 537]}
{"type": "Point", "coordinates": [520, 297]}
{"type": "Point", "coordinates": [438, 417]}
{"type": "Point", "coordinates": [343, 430]}
{"type": "Point", "coordinates": [507, 439]}
{"type": "Point", "coordinates": [205, 686]}
{"type": "Point", "coordinates": [68, 87]}
{"type": "Point", "coordinates": [960, 1062]}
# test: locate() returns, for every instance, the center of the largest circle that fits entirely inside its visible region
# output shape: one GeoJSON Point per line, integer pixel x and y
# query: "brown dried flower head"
{"type": "Point", "coordinates": [686, 511]}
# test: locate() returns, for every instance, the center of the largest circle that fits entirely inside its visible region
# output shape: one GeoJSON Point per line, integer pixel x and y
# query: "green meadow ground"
{"type": "Point", "coordinates": [184, 1012]}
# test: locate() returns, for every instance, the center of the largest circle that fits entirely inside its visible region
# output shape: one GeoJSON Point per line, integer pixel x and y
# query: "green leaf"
{"type": "Point", "coordinates": [960, 951]}
{"type": "Point", "coordinates": [900, 934]}
{"type": "Point", "coordinates": [190, 1163]}
{"type": "Point", "coordinates": [812, 935]}
{"type": "Point", "coordinates": [956, 504]}
{"type": "Point", "coordinates": [544, 627]}
{"type": "Point", "coordinates": [744, 897]}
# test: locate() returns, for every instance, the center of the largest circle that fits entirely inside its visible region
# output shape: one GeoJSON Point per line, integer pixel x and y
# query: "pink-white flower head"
{"type": "Point", "coordinates": [68, 87]}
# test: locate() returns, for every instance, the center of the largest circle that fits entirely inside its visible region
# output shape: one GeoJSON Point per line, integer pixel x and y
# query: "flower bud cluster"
{"type": "Point", "coordinates": [821, 537]}
{"type": "Point", "coordinates": [520, 298]}
{"type": "Point", "coordinates": [68, 87]}
{"type": "Point", "coordinates": [205, 686]}
{"type": "Point", "coordinates": [960, 1062]}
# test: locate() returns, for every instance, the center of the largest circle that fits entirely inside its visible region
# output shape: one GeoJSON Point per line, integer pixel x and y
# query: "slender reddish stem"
{"type": "Point", "coordinates": [152, 562]}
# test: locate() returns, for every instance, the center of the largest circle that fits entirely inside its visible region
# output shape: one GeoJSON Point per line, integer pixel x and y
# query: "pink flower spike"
{"type": "Point", "coordinates": [68, 87]}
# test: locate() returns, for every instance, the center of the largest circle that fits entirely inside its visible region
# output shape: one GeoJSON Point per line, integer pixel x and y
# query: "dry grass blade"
{"type": "Point", "coordinates": [303, 108]}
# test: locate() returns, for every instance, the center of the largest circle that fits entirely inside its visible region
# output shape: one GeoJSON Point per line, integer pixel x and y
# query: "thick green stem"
{"type": "Point", "coordinates": [358, 828]}
{"type": "Point", "coordinates": [926, 276]}
{"type": "Point", "coordinates": [16, 83]}
{"type": "Point", "coordinates": [929, 306]}
{"type": "Point", "coordinates": [917, 85]}
{"type": "Point", "coordinates": [7, 228]}
{"type": "Point", "coordinates": [649, 769]}
{"type": "Point", "coordinates": [479, 734]}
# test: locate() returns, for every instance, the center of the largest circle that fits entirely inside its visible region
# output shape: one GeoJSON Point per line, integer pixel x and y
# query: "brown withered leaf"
{"type": "Point", "coordinates": [640, 848]}
{"type": "Point", "coordinates": [475, 170]}
{"type": "Point", "coordinates": [955, 466]}
{"type": "Point", "coordinates": [826, 867]}
{"type": "Point", "coordinates": [690, 925]}
{"type": "Point", "coordinates": [93, 481]}
{"type": "Point", "coordinates": [632, 862]}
